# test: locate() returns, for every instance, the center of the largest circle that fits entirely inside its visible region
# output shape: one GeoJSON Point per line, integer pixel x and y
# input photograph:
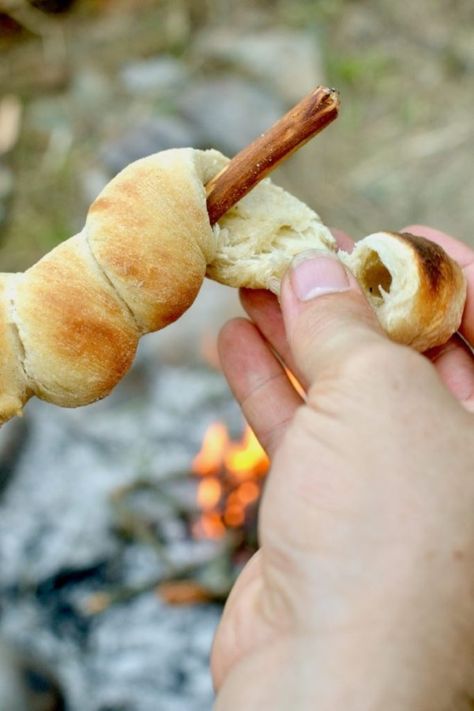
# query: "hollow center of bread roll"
{"type": "Point", "coordinates": [375, 277]}
{"type": "Point", "coordinates": [384, 266]}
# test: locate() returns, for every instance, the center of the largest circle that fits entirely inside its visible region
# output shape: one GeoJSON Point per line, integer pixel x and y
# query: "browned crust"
{"type": "Point", "coordinates": [136, 267]}
{"type": "Point", "coordinates": [79, 339]}
{"type": "Point", "coordinates": [437, 266]}
{"type": "Point", "coordinates": [437, 309]}
{"type": "Point", "coordinates": [149, 231]}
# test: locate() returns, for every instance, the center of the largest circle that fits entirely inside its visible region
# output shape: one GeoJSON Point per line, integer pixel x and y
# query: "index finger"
{"type": "Point", "coordinates": [464, 256]}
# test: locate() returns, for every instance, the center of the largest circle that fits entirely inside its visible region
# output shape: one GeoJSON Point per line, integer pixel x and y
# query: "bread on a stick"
{"type": "Point", "coordinates": [70, 325]}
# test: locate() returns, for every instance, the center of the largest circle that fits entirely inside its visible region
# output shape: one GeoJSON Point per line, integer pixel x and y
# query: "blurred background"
{"type": "Point", "coordinates": [123, 525]}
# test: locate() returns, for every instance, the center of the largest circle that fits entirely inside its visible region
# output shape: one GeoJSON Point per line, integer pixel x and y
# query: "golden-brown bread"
{"type": "Point", "coordinates": [78, 337]}
{"type": "Point", "coordinates": [416, 290]}
{"type": "Point", "coordinates": [150, 234]}
{"type": "Point", "coordinates": [70, 325]}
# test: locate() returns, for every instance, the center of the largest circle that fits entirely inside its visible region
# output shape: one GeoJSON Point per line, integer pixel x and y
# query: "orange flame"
{"type": "Point", "coordinates": [210, 525]}
{"type": "Point", "coordinates": [231, 479]}
{"type": "Point", "coordinates": [209, 493]}
{"type": "Point", "coordinates": [246, 459]}
{"type": "Point", "coordinates": [211, 457]}
{"type": "Point", "coordinates": [248, 492]}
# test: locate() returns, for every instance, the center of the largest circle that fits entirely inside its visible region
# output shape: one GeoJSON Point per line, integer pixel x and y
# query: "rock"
{"type": "Point", "coordinates": [229, 112]}
{"type": "Point", "coordinates": [156, 133]}
{"type": "Point", "coordinates": [155, 76]}
{"type": "Point", "coordinates": [287, 61]}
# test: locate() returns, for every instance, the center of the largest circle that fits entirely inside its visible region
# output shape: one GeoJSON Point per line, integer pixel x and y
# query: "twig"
{"type": "Point", "coordinates": [253, 163]}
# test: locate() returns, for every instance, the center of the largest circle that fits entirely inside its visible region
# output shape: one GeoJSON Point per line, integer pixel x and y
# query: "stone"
{"type": "Point", "coordinates": [286, 61]}
{"type": "Point", "coordinates": [150, 135]}
{"type": "Point", "coordinates": [156, 76]}
{"type": "Point", "coordinates": [229, 112]}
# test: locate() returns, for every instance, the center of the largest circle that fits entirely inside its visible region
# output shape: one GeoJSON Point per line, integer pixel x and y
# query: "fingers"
{"type": "Point", "coordinates": [453, 362]}
{"type": "Point", "coordinates": [264, 310]}
{"type": "Point", "coordinates": [455, 366]}
{"type": "Point", "coordinates": [464, 255]}
{"type": "Point", "coordinates": [459, 251]}
{"type": "Point", "coordinates": [258, 382]}
{"type": "Point", "coordinates": [234, 635]}
{"type": "Point", "coordinates": [343, 240]}
{"type": "Point", "coordinates": [327, 317]}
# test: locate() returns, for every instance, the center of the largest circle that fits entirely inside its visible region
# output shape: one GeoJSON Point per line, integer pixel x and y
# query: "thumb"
{"type": "Point", "coordinates": [327, 317]}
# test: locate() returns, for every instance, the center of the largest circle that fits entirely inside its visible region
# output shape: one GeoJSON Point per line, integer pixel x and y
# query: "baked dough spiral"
{"type": "Point", "coordinates": [70, 325]}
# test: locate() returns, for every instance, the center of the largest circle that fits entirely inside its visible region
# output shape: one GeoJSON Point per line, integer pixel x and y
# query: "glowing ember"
{"type": "Point", "coordinates": [231, 479]}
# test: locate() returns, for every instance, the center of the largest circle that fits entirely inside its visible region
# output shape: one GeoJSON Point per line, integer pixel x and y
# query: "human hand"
{"type": "Point", "coordinates": [361, 594]}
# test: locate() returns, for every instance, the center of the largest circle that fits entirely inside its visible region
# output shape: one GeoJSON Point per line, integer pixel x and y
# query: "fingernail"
{"type": "Point", "coordinates": [315, 273]}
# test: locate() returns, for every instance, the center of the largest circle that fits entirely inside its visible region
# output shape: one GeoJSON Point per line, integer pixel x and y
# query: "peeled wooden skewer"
{"type": "Point", "coordinates": [310, 116]}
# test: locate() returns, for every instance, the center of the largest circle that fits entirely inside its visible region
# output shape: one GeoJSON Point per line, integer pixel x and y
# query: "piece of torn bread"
{"type": "Point", "coordinates": [258, 238]}
{"type": "Point", "coordinates": [416, 290]}
{"type": "Point", "coordinates": [70, 324]}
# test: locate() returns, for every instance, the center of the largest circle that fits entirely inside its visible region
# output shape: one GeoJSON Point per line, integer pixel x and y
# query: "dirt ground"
{"type": "Point", "coordinates": [401, 151]}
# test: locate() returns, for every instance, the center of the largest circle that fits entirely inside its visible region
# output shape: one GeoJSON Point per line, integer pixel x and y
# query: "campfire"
{"type": "Point", "coordinates": [231, 475]}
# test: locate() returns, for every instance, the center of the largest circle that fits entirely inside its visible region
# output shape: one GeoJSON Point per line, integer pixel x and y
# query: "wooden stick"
{"type": "Point", "coordinates": [253, 163]}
